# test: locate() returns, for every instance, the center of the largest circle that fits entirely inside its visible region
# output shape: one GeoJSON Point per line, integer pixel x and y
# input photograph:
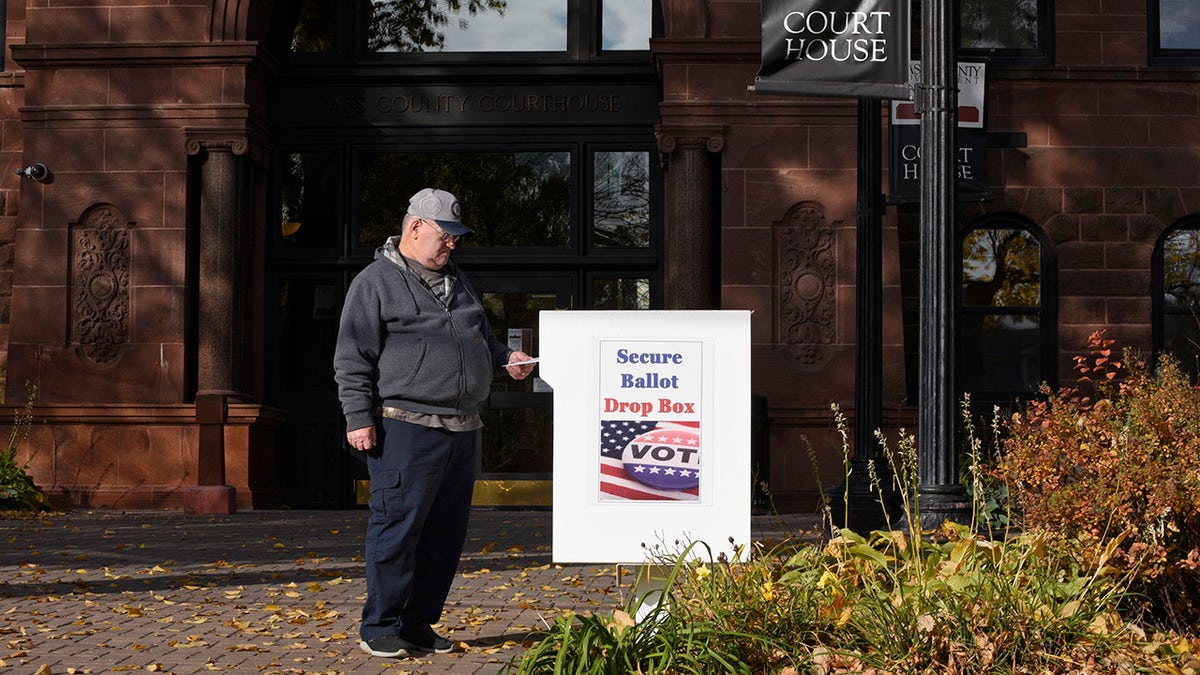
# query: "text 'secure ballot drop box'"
{"type": "Point", "coordinates": [651, 431]}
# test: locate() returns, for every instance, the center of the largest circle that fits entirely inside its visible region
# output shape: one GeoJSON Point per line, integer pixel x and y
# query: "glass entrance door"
{"type": "Point", "coordinates": [546, 136]}
{"type": "Point", "coordinates": [516, 445]}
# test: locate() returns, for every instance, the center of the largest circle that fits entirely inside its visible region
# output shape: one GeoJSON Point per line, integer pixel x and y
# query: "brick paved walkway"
{"type": "Point", "coordinates": [266, 592]}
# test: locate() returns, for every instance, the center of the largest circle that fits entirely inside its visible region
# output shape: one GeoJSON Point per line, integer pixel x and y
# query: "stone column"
{"type": "Point", "coordinates": [690, 223]}
{"type": "Point", "coordinates": [223, 237]}
{"type": "Point", "coordinates": [223, 218]}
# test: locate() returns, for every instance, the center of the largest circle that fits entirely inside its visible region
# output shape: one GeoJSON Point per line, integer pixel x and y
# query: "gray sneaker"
{"type": "Point", "coordinates": [387, 646]}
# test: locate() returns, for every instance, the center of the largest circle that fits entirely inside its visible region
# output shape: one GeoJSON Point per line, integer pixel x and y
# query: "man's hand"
{"type": "Point", "coordinates": [361, 439]}
{"type": "Point", "coordinates": [519, 372]}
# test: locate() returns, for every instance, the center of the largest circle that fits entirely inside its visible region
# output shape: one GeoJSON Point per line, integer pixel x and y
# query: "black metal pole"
{"type": "Point", "coordinates": [865, 510]}
{"type": "Point", "coordinates": [940, 493]}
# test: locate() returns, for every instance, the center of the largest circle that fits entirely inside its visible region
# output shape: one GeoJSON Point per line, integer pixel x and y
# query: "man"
{"type": "Point", "coordinates": [413, 363]}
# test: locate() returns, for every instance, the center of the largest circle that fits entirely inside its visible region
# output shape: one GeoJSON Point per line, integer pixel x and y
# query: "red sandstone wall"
{"type": "Point", "coordinates": [1112, 161]}
{"type": "Point", "coordinates": [108, 94]}
{"type": "Point", "coordinates": [12, 97]}
{"type": "Point", "coordinates": [788, 241]}
{"type": "Point", "coordinates": [112, 89]}
{"type": "Point", "coordinates": [113, 95]}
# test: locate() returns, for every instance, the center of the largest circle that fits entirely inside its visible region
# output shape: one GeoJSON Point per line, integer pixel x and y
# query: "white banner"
{"type": "Point", "coordinates": [651, 431]}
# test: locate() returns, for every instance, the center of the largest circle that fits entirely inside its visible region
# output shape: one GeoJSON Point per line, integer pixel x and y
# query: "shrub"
{"type": "Point", "coordinates": [886, 604]}
{"type": "Point", "coordinates": [708, 619]}
{"type": "Point", "coordinates": [1117, 457]}
{"type": "Point", "coordinates": [891, 602]}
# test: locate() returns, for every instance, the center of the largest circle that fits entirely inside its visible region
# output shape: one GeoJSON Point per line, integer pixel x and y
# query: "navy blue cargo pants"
{"type": "Point", "coordinates": [421, 484]}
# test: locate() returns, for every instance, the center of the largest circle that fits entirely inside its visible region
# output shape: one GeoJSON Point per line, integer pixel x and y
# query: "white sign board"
{"type": "Point", "coordinates": [651, 432]}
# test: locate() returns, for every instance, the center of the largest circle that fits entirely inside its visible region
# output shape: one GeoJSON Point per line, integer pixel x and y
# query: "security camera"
{"type": "Point", "coordinates": [37, 172]}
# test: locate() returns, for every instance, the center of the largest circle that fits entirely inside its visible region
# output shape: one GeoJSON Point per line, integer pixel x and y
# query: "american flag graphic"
{"type": "Point", "coordinates": [616, 484]}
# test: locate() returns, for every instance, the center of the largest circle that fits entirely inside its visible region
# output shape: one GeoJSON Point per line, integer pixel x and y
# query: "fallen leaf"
{"type": "Point", "coordinates": [245, 648]}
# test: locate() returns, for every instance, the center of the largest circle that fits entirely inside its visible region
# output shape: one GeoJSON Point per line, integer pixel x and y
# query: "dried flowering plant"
{"type": "Point", "coordinates": [1118, 454]}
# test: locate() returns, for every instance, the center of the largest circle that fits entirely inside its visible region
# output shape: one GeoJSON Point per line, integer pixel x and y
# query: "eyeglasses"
{"type": "Point", "coordinates": [448, 238]}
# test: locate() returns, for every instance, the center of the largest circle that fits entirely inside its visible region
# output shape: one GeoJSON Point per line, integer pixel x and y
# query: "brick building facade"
{"type": "Point", "coordinates": [140, 289]}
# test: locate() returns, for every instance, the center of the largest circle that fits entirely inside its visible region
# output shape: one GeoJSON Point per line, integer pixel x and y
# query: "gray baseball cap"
{"type": "Point", "coordinates": [442, 208]}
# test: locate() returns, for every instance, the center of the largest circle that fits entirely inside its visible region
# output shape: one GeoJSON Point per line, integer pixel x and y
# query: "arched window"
{"type": "Point", "coordinates": [1007, 311]}
{"type": "Point", "coordinates": [1176, 280]}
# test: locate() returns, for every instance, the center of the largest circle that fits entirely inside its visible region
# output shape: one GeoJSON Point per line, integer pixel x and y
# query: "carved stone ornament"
{"type": "Point", "coordinates": [100, 263]}
{"type": "Point", "coordinates": [806, 275]}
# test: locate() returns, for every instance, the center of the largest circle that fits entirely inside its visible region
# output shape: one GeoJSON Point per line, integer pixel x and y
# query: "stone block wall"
{"type": "Point", "coordinates": [114, 94]}
{"type": "Point", "coordinates": [12, 97]}
{"type": "Point", "coordinates": [140, 456]}
{"type": "Point", "coordinates": [1110, 165]}
{"type": "Point", "coordinates": [97, 269]}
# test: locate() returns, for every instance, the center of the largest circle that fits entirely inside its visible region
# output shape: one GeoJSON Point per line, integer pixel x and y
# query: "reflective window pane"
{"type": "Point", "coordinates": [999, 24]}
{"type": "Point", "coordinates": [508, 198]}
{"type": "Point", "coordinates": [1001, 268]}
{"type": "Point", "coordinates": [1181, 298]}
{"type": "Point", "coordinates": [467, 26]}
{"type": "Point", "coordinates": [516, 312]}
{"type": "Point", "coordinates": [1181, 339]}
{"type": "Point", "coordinates": [309, 308]}
{"type": "Point", "coordinates": [517, 440]}
{"type": "Point", "coordinates": [1181, 269]}
{"type": "Point", "coordinates": [314, 26]}
{"type": "Point", "coordinates": [308, 207]}
{"type": "Point", "coordinates": [621, 199]}
{"type": "Point", "coordinates": [1001, 353]}
{"type": "Point", "coordinates": [1178, 24]}
{"type": "Point", "coordinates": [621, 294]}
{"type": "Point", "coordinates": [1002, 314]}
{"type": "Point", "coordinates": [625, 25]}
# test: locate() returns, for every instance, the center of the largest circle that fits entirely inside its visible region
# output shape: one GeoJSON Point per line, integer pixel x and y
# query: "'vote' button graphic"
{"type": "Point", "coordinates": [664, 458]}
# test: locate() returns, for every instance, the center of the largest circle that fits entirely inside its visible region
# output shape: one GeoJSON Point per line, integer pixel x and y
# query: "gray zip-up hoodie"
{"type": "Point", "coordinates": [399, 346]}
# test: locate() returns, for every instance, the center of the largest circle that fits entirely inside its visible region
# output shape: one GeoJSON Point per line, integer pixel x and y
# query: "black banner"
{"type": "Point", "coordinates": [856, 48]}
{"type": "Point", "coordinates": [971, 165]}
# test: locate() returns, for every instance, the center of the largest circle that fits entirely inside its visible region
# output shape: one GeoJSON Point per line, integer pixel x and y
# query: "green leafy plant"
{"type": "Point", "coordinates": [682, 633]}
{"type": "Point", "coordinates": [18, 492]}
{"type": "Point", "coordinates": [988, 493]}
{"type": "Point", "coordinates": [891, 601]}
{"type": "Point", "coordinates": [1117, 455]}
